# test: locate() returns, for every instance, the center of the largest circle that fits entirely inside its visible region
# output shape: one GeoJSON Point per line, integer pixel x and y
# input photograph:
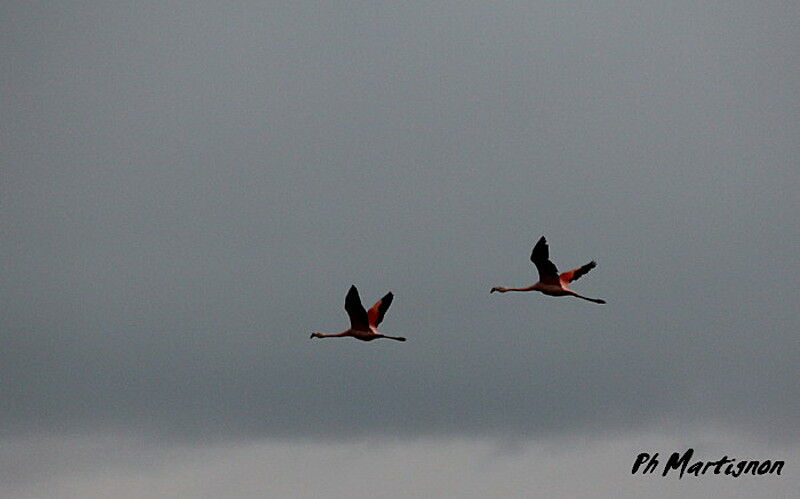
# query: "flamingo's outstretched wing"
{"type": "Point", "coordinates": [377, 311]}
{"type": "Point", "coordinates": [355, 310]}
{"type": "Point", "coordinates": [540, 256]}
{"type": "Point", "coordinates": [575, 274]}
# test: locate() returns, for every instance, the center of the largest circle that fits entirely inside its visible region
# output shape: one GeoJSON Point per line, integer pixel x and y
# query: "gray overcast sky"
{"type": "Point", "coordinates": [189, 188]}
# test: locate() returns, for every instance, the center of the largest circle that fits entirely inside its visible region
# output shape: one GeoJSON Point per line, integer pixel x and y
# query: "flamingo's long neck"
{"type": "Point", "coordinates": [332, 335]}
{"type": "Point", "coordinates": [503, 289]}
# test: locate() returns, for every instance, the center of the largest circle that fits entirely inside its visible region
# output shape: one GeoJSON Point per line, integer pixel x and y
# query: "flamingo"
{"type": "Point", "coordinates": [363, 323]}
{"type": "Point", "coordinates": [550, 281]}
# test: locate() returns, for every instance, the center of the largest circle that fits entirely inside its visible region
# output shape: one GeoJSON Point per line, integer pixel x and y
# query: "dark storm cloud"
{"type": "Point", "coordinates": [189, 190]}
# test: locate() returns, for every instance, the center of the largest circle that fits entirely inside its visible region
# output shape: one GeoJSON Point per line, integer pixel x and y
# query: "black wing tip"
{"type": "Point", "coordinates": [386, 300]}
{"type": "Point", "coordinates": [384, 305]}
{"type": "Point", "coordinates": [540, 250]}
{"type": "Point", "coordinates": [352, 296]}
{"type": "Point", "coordinates": [353, 292]}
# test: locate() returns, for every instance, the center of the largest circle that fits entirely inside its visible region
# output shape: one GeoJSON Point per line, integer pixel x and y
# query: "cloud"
{"type": "Point", "coordinates": [190, 192]}
{"type": "Point", "coordinates": [577, 466]}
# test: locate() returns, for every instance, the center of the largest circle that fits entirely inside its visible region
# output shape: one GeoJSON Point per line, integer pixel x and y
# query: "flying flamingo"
{"type": "Point", "coordinates": [550, 281]}
{"type": "Point", "coordinates": [363, 324]}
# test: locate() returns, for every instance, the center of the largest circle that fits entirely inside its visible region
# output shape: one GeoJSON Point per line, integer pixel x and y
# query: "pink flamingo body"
{"type": "Point", "coordinates": [550, 281]}
{"type": "Point", "coordinates": [363, 323]}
